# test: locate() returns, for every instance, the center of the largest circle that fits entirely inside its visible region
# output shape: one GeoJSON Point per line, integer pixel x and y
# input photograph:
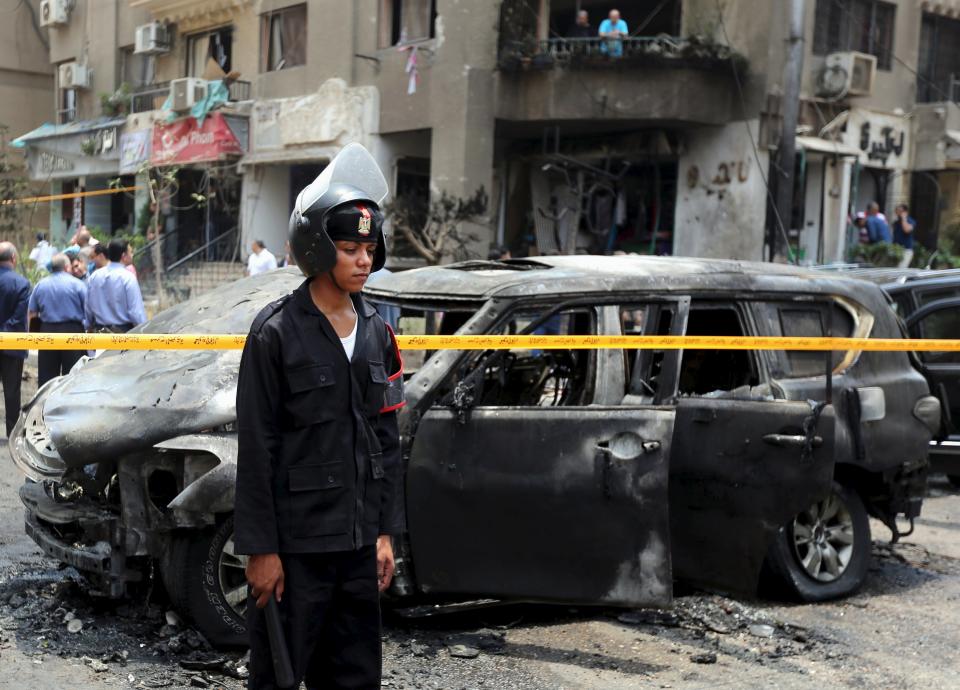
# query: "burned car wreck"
{"type": "Point", "coordinates": [592, 477]}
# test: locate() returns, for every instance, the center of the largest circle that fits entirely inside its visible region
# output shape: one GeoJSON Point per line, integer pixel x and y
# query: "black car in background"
{"type": "Point", "coordinates": [928, 303]}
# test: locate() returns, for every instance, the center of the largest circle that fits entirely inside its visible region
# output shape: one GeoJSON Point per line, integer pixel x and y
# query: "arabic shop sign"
{"type": "Point", "coordinates": [882, 139]}
{"type": "Point", "coordinates": [134, 150]}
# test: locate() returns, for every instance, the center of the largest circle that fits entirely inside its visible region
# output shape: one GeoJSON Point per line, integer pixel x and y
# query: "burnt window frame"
{"type": "Point", "coordinates": [781, 363]}
{"type": "Point", "coordinates": [834, 30]}
{"type": "Point", "coordinates": [467, 367]}
{"type": "Point", "coordinates": [758, 372]}
{"type": "Point", "coordinates": [266, 36]}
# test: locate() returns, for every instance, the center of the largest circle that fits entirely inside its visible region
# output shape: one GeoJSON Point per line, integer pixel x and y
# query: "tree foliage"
{"type": "Point", "coordinates": [435, 229]}
{"type": "Point", "coordinates": [13, 184]}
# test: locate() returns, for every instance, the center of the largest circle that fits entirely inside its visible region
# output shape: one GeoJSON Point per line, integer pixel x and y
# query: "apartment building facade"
{"type": "Point", "coordinates": [26, 81]}
{"type": "Point", "coordinates": [659, 143]}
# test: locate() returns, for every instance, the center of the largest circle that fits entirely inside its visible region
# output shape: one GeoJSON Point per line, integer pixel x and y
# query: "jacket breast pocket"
{"type": "Point", "coordinates": [318, 499]}
{"type": "Point", "coordinates": [376, 386]}
{"type": "Point", "coordinates": [312, 394]}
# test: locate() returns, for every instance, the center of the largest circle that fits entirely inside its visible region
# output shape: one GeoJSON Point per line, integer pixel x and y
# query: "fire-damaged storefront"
{"type": "Point", "coordinates": [201, 205]}
{"type": "Point", "coordinates": [591, 193]}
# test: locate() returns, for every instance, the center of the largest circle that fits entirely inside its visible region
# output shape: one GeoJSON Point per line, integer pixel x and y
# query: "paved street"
{"type": "Point", "coordinates": [901, 631]}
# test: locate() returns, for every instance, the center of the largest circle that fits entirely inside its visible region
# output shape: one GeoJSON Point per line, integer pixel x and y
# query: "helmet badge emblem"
{"type": "Point", "coordinates": [363, 227]}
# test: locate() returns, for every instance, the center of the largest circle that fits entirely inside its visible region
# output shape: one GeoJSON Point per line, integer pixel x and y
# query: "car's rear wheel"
{"type": "Point", "coordinates": [824, 551]}
{"type": "Point", "coordinates": [206, 581]}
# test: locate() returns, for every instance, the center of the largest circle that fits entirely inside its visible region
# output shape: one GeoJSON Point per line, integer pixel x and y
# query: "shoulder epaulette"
{"type": "Point", "coordinates": [267, 312]}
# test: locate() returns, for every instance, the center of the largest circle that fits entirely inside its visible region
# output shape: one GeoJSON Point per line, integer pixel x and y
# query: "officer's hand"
{"type": "Point", "coordinates": [385, 563]}
{"type": "Point", "coordinates": [265, 576]}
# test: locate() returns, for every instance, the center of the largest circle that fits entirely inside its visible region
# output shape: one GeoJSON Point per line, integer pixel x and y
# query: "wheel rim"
{"type": "Point", "coordinates": [233, 577]}
{"type": "Point", "coordinates": [823, 539]}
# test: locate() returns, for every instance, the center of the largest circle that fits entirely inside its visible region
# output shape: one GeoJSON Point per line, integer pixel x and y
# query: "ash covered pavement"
{"type": "Point", "coordinates": [901, 631]}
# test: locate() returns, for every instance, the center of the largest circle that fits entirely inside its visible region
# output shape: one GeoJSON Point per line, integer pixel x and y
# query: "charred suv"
{"type": "Point", "coordinates": [584, 476]}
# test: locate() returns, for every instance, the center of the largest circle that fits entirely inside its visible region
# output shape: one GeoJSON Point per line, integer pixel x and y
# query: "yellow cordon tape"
{"type": "Point", "coordinates": [139, 341]}
{"type": "Point", "coordinates": [71, 195]}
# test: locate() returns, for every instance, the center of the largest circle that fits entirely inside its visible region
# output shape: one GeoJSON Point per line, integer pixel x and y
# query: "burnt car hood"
{"type": "Point", "coordinates": [127, 400]}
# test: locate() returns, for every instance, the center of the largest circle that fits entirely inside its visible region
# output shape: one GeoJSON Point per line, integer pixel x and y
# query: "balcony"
{"type": "Point", "coordinates": [643, 79]}
{"type": "Point", "coordinates": [564, 53]}
{"type": "Point", "coordinates": [152, 97]}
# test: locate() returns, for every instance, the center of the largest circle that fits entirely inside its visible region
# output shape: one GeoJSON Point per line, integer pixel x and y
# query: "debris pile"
{"type": "Point", "coordinates": [48, 614]}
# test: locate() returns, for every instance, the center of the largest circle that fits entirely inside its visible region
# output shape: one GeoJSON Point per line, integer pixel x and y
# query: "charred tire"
{"type": "Point", "coordinates": [824, 552]}
{"type": "Point", "coordinates": [205, 581]}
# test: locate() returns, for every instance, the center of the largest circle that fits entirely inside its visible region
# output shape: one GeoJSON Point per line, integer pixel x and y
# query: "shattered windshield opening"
{"type": "Point", "coordinates": [414, 319]}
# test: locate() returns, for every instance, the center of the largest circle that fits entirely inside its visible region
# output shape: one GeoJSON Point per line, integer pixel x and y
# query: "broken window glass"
{"type": "Point", "coordinates": [405, 21]}
{"type": "Point", "coordinates": [534, 378]}
{"type": "Point", "coordinates": [707, 371]}
{"type": "Point", "coordinates": [216, 45]}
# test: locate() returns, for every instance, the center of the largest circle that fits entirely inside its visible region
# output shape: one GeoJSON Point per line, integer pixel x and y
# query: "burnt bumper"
{"type": "Point", "coordinates": [77, 534]}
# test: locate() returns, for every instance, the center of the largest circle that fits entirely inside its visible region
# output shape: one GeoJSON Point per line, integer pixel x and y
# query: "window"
{"type": "Point", "coordinates": [803, 320]}
{"type": "Point", "coordinates": [216, 45]}
{"type": "Point", "coordinates": [941, 324]}
{"type": "Point", "coordinates": [136, 70]}
{"type": "Point", "coordinates": [644, 369]}
{"type": "Point", "coordinates": [862, 25]}
{"type": "Point", "coordinates": [283, 38]}
{"type": "Point", "coordinates": [938, 71]}
{"type": "Point", "coordinates": [405, 21]}
{"type": "Point", "coordinates": [530, 378]}
{"type": "Point", "coordinates": [68, 106]}
{"type": "Point", "coordinates": [706, 372]}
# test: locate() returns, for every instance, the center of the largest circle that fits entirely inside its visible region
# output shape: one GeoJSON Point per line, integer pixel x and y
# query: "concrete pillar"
{"type": "Point", "coordinates": [462, 144]}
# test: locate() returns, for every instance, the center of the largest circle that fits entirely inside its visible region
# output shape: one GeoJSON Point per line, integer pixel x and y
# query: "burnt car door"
{"type": "Point", "coordinates": [941, 319]}
{"type": "Point", "coordinates": [527, 480]}
{"type": "Point", "coordinates": [744, 462]}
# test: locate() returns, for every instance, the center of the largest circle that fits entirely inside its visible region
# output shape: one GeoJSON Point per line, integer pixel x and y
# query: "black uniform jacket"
{"type": "Point", "coordinates": [318, 466]}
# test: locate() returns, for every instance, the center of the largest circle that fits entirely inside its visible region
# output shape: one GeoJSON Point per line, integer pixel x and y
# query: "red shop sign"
{"type": "Point", "coordinates": [183, 141]}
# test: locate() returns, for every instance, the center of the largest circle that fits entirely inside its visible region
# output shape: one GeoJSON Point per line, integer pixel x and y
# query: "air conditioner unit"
{"type": "Point", "coordinates": [187, 92]}
{"type": "Point", "coordinates": [152, 39]}
{"type": "Point", "coordinates": [54, 12]}
{"type": "Point", "coordinates": [74, 75]}
{"type": "Point", "coordinates": [847, 74]}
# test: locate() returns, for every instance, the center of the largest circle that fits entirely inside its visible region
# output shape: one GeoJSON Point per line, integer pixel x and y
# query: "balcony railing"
{"type": "Point", "coordinates": [535, 54]}
{"type": "Point", "coordinates": [152, 97]}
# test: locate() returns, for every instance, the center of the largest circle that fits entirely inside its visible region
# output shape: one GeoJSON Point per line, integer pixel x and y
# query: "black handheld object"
{"type": "Point", "coordinates": [282, 668]}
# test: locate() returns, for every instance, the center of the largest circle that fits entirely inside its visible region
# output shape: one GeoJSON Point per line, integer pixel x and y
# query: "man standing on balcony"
{"type": "Point", "coordinates": [614, 29]}
{"type": "Point", "coordinates": [114, 302]}
{"type": "Point", "coordinates": [582, 28]}
{"type": "Point", "coordinates": [260, 260]}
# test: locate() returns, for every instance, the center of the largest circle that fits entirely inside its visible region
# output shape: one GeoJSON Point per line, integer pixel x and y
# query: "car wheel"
{"type": "Point", "coordinates": [206, 581]}
{"type": "Point", "coordinates": [824, 551]}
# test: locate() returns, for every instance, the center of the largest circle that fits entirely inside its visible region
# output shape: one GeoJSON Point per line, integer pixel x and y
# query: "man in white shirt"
{"type": "Point", "coordinates": [43, 252]}
{"type": "Point", "coordinates": [260, 260]}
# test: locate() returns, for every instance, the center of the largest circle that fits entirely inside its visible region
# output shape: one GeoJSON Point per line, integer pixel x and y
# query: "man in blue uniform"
{"type": "Point", "coordinates": [14, 295]}
{"type": "Point", "coordinates": [318, 467]}
{"type": "Point", "coordinates": [58, 302]}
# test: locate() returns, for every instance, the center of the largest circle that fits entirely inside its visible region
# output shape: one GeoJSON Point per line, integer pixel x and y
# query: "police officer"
{"type": "Point", "coordinates": [319, 462]}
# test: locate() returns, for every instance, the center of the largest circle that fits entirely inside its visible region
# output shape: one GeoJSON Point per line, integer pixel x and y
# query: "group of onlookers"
{"type": "Point", "coordinates": [613, 29]}
{"type": "Point", "coordinates": [874, 228]}
{"type": "Point", "coordinates": [88, 288]}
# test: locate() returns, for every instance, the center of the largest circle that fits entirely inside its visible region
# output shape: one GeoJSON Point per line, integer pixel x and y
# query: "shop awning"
{"type": "Point", "coordinates": [48, 130]}
{"type": "Point", "coordinates": [818, 145]}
